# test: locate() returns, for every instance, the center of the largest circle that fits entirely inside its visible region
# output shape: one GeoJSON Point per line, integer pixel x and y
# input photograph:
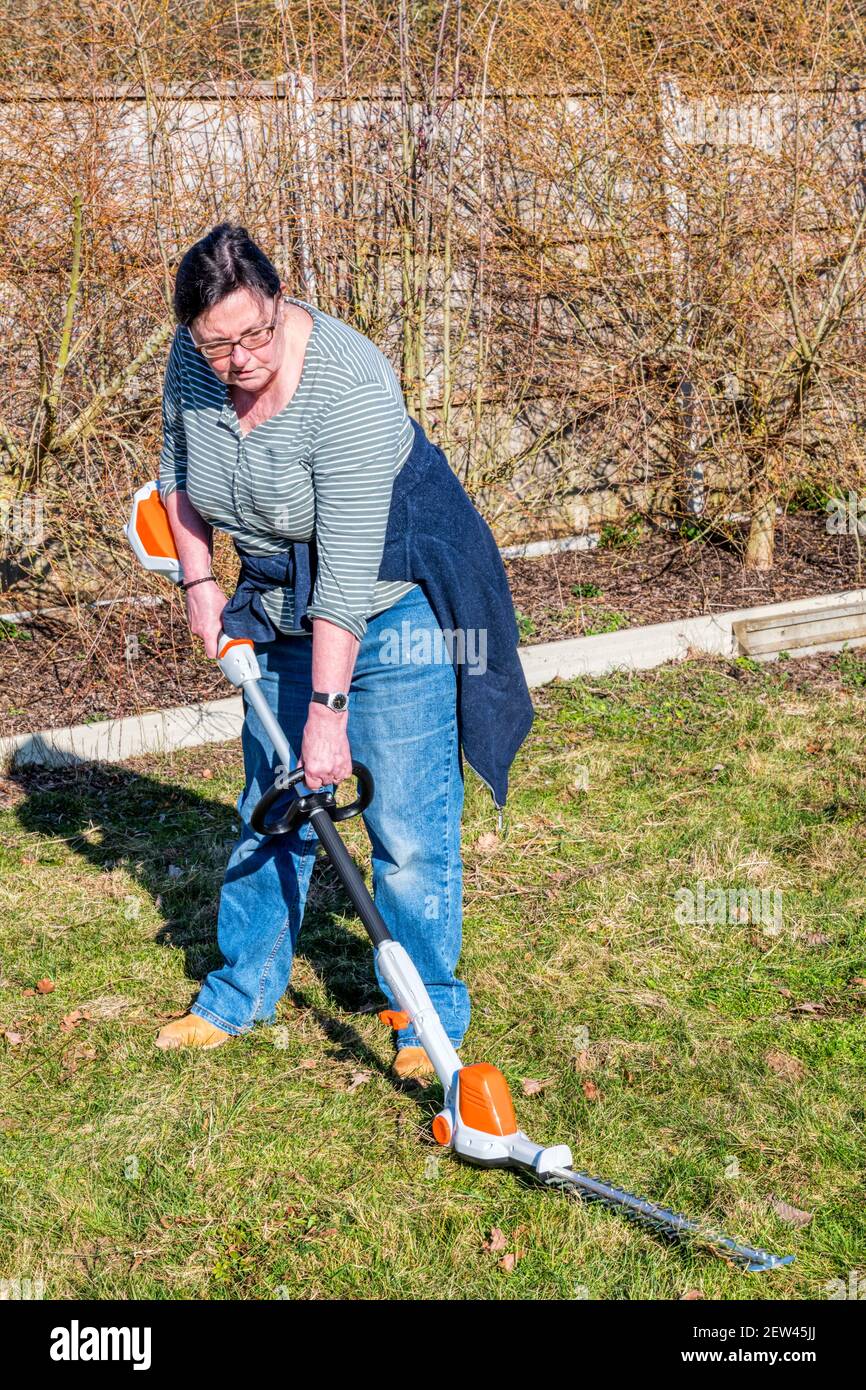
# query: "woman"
{"type": "Point", "coordinates": [286, 428]}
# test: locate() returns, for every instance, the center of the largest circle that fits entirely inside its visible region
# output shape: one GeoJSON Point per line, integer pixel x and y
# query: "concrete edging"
{"type": "Point", "coordinates": [217, 721]}
{"type": "Point", "coordinates": [114, 740]}
{"type": "Point", "coordinates": [641, 648]}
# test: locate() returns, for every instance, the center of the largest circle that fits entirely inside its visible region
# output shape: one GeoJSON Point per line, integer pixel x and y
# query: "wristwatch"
{"type": "Point", "coordinates": [337, 700]}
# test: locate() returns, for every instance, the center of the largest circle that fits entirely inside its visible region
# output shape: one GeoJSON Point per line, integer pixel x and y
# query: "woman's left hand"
{"type": "Point", "coordinates": [325, 751]}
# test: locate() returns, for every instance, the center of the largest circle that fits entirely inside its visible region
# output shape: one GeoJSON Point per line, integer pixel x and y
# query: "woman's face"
{"type": "Point", "coordinates": [239, 313]}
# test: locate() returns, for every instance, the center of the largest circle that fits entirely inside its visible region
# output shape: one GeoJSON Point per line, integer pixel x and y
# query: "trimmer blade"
{"type": "Point", "coordinates": [670, 1224]}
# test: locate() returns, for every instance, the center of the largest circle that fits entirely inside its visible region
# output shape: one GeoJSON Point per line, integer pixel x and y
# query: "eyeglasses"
{"type": "Point", "coordinates": [255, 338]}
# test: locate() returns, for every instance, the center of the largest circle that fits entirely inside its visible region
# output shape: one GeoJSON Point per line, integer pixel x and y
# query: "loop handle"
{"type": "Point", "coordinates": [301, 806]}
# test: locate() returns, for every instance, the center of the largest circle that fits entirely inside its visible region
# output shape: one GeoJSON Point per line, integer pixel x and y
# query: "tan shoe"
{"type": "Point", "coordinates": [191, 1031]}
{"type": "Point", "coordinates": [413, 1061]}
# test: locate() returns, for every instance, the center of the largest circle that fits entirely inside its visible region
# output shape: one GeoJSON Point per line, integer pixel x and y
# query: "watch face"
{"type": "Point", "coordinates": [339, 702]}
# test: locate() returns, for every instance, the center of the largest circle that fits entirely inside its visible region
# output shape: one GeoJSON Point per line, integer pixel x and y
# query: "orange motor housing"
{"type": "Point", "coordinates": [485, 1100]}
{"type": "Point", "coordinates": [149, 533]}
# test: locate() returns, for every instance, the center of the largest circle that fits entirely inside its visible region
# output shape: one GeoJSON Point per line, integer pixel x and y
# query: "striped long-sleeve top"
{"type": "Point", "coordinates": [322, 466]}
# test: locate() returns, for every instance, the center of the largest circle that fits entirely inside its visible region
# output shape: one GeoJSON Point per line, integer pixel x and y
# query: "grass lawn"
{"type": "Point", "coordinates": [713, 1064]}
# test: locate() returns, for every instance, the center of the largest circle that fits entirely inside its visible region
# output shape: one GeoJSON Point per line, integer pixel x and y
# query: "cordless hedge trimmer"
{"type": "Point", "coordinates": [477, 1119]}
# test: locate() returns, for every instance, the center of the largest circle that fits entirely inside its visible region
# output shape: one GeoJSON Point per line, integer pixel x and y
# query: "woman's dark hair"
{"type": "Point", "coordinates": [226, 259]}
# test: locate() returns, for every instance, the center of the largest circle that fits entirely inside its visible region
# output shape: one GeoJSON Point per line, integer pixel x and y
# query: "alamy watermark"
{"type": "Point", "coordinates": [708, 906]}
{"type": "Point", "coordinates": [762, 124]}
{"type": "Point", "coordinates": [853, 1287]}
{"type": "Point", "coordinates": [26, 1289]}
{"type": "Point", "coordinates": [77, 1343]}
{"type": "Point", "coordinates": [22, 520]}
{"type": "Point", "coordinates": [421, 646]}
{"type": "Point", "coordinates": [846, 516]}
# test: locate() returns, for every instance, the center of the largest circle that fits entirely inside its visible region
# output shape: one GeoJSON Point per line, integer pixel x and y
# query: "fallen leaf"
{"type": "Point", "coordinates": [583, 1061]}
{"type": "Point", "coordinates": [13, 1039]}
{"type": "Point", "coordinates": [508, 1262]}
{"type": "Point", "coordinates": [808, 1007]}
{"type": "Point", "coordinates": [174, 871]}
{"type": "Point", "coordinates": [206, 773]}
{"type": "Point", "coordinates": [532, 1087]}
{"type": "Point", "coordinates": [44, 986]}
{"type": "Point", "coordinates": [488, 843]}
{"type": "Point", "coordinates": [71, 1020]}
{"type": "Point", "coordinates": [28, 993]}
{"type": "Point", "coordinates": [859, 981]}
{"type": "Point", "coordinates": [75, 1055]}
{"type": "Point", "coordinates": [591, 1091]}
{"type": "Point", "coordinates": [359, 1078]}
{"type": "Point", "coordinates": [785, 1066]}
{"type": "Point", "coordinates": [10, 795]}
{"type": "Point", "coordinates": [756, 939]}
{"type": "Point", "coordinates": [816, 938]}
{"type": "Point", "coordinates": [495, 1242]}
{"type": "Point", "coordinates": [792, 1215]}
{"type": "Point", "coordinates": [690, 1296]}
{"type": "Point", "coordinates": [307, 1063]}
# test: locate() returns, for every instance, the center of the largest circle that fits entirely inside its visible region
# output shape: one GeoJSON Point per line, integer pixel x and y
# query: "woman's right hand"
{"type": "Point", "coordinates": [204, 608]}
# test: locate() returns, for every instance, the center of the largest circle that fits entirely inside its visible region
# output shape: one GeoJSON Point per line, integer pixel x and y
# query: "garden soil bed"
{"type": "Point", "coordinates": [110, 662]}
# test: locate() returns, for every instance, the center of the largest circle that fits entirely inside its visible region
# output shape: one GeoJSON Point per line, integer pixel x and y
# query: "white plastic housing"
{"type": "Point", "coordinates": [166, 565]}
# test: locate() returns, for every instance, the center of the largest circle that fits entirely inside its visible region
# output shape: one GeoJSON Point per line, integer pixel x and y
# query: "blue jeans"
{"type": "Point", "coordinates": [402, 724]}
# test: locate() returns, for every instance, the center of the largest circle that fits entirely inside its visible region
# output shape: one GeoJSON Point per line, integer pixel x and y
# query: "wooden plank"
{"type": "Point", "coordinates": [757, 636]}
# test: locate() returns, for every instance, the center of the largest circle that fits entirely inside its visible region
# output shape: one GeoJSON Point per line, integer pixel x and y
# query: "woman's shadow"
{"type": "Point", "coordinates": [174, 842]}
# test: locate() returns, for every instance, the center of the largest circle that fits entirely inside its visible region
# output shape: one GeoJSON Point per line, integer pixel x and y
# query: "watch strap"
{"type": "Point", "coordinates": [322, 697]}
